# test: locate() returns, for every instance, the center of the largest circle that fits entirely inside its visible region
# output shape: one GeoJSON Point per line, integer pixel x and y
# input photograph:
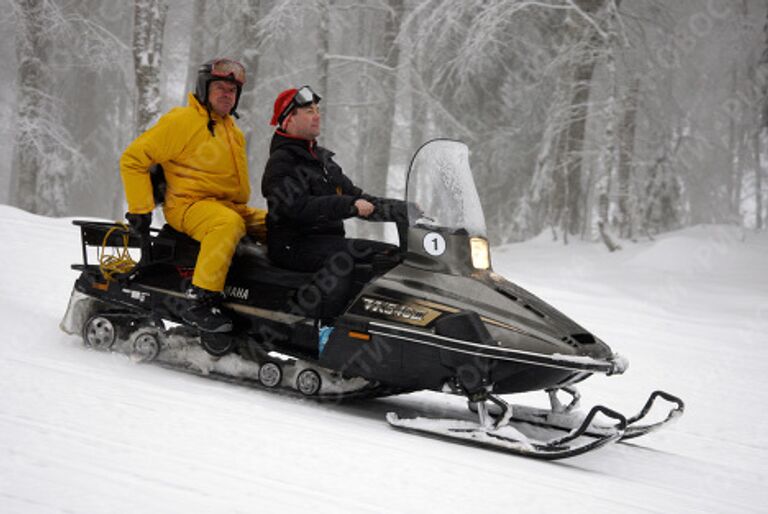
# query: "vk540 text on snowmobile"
{"type": "Point", "coordinates": [434, 317]}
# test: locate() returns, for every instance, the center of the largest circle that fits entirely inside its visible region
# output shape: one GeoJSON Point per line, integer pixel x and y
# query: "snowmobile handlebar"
{"type": "Point", "coordinates": [398, 212]}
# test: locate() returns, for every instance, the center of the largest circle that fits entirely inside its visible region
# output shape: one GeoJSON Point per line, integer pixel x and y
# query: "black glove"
{"type": "Point", "coordinates": [139, 223]}
{"type": "Point", "coordinates": [397, 211]}
{"type": "Point", "coordinates": [386, 209]}
{"type": "Point", "coordinates": [415, 212]}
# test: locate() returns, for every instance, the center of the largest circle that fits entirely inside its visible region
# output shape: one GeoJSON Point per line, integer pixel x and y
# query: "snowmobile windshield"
{"type": "Point", "coordinates": [441, 187]}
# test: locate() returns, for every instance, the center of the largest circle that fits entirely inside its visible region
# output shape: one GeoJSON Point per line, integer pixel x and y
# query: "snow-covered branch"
{"type": "Point", "coordinates": [361, 60]}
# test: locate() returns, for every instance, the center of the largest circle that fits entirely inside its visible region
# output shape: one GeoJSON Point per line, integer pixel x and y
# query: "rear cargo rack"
{"type": "Point", "coordinates": [96, 234]}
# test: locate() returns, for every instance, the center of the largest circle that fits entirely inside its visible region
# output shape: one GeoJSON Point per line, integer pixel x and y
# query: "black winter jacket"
{"type": "Point", "coordinates": [307, 193]}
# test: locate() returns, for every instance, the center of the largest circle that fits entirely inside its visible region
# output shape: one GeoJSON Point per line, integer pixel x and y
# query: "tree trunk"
{"type": "Point", "coordinates": [31, 53]}
{"type": "Point", "coordinates": [762, 125]}
{"type": "Point", "coordinates": [381, 146]}
{"type": "Point", "coordinates": [741, 155]}
{"type": "Point", "coordinates": [574, 150]}
{"type": "Point", "coordinates": [730, 183]}
{"type": "Point", "coordinates": [418, 109]}
{"type": "Point", "coordinates": [544, 200]}
{"type": "Point", "coordinates": [47, 159]}
{"type": "Point", "coordinates": [118, 200]}
{"type": "Point", "coordinates": [758, 180]}
{"type": "Point", "coordinates": [364, 34]}
{"type": "Point", "coordinates": [558, 200]}
{"type": "Point", "coordinates": [324, 46]}
{"type": "Point", "coordinates": [378, 86]}
{"type": "Point", "coordinates": [607, 156]}
{"type": "Point", "coordinates": [196, 47]}
{"type": "Point", "coordinates": [579, 110]}
{"type": "Point", "coordinates": [248, 50]}
{"type": "Point", "coordinates": [626, 158]}
{"type": "Point", "coordinates": [148, 27]}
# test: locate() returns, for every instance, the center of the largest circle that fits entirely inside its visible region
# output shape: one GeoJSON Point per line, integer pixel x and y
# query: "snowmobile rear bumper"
{"type": "Point", "coordinates": [80, 307]}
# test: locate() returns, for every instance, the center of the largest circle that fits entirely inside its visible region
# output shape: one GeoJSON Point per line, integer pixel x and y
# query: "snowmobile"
{"type": "Point", "coordinates": [434, 317]}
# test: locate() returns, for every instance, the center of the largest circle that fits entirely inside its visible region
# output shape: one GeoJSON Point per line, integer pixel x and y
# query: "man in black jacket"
{"type": "Point", "coordinates": [308, 198]}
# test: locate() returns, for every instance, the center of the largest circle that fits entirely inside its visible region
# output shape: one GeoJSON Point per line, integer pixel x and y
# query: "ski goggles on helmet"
{"type": "Point", "coordinates": [304, 96]}
{"type": "Point", "coordinates": [227, 69]}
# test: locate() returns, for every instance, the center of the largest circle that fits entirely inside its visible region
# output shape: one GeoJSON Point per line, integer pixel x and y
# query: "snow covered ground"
{"type": "Point", "coordinates": [84, 431]}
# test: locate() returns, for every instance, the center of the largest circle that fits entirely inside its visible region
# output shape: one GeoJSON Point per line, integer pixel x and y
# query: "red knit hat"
{"type": "Point", "coordinates": [281, 102]}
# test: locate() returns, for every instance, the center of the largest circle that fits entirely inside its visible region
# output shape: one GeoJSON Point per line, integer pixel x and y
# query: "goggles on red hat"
{"type": "Point", "coordinates": [304, 96]}
{"type": "Point", "coordinates": [228, 69]}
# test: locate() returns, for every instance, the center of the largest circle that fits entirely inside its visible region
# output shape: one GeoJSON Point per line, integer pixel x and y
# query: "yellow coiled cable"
{"type": "Point", "coordinates": [118, 261]}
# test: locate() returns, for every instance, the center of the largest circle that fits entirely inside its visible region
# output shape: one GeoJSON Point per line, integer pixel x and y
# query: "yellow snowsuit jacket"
{"type": "Point", "coordinates": [207, 179]}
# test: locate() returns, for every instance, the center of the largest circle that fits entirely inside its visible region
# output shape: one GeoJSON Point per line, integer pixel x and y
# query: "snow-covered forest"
{"type": "Point", "coordinates": [637, 116]}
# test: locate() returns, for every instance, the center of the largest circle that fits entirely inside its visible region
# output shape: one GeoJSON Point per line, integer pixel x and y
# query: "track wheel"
{"type": "Point", "coordinates": [145, 345]}
{"type": "Point", "coordinates": [217, 344]}
{"type": "Point", "coordinates": [99, 333]}
{"type": "Point", "coordinates": [270, 374]}
{"type": "Point", "coordinates": [308, 382]}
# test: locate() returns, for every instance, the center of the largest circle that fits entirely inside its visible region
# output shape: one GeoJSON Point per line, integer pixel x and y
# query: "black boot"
{"type": "Point", "coordinates": [204, 312]}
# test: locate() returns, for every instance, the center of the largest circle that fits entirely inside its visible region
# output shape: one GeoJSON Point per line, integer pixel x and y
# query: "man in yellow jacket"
{"type": "Point", "coordinates": [202, 152]}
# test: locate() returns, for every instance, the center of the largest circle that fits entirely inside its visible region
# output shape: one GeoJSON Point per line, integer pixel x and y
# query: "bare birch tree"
{"type": "Point", "coordinates": [31, 141]}
{"type": "Point", "coordinates": [148, 27]}
{"type": "Point", "coordinates": [197, 41]}
{"type": "Point", "coordinates": [249, 50]}
{"type": "Point", "coordinates": [561, 193]}
{"type": "Point", "coordinates": [762, 128]}
{"type": "Point", "coordinates": [626, 160]}
{"type": "Point", "coordinates": [324, 45]}
{"type": "Point", "coordinates": [377, 92]}
{"type": "Point", "coordinates": [46, 159]}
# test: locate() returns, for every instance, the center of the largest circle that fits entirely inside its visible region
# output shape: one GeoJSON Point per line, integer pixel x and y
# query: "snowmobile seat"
{"type": "Point", "coordinates": [250, 260]}
{"type": "Point", "coordinates": [278, 288]}
{"type": "Point", "coordinates": [186, 249]}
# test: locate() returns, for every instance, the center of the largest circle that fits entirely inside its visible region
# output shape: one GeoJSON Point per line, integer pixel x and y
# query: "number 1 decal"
{"type": "Point", "coordinates": [434, 244]}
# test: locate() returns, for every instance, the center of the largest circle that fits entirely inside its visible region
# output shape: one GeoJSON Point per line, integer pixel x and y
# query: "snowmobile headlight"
{"type": "Point", "coordinates": [481, 254]}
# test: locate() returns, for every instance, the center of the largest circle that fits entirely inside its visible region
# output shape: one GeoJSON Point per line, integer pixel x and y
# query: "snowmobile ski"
{"type": "Point", "coordinates": [510, 439]}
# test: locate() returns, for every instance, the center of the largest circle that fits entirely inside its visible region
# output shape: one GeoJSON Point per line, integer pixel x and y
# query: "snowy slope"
{"type": "Point", "coordinates": [84, 431]}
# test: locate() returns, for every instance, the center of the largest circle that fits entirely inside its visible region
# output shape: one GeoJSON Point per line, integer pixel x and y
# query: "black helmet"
{"type": "Point", "coordinates": [219, 69]}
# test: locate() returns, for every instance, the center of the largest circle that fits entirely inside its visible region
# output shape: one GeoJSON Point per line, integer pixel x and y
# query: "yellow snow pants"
{"type": "Point", "coordinates": [218, 226]}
